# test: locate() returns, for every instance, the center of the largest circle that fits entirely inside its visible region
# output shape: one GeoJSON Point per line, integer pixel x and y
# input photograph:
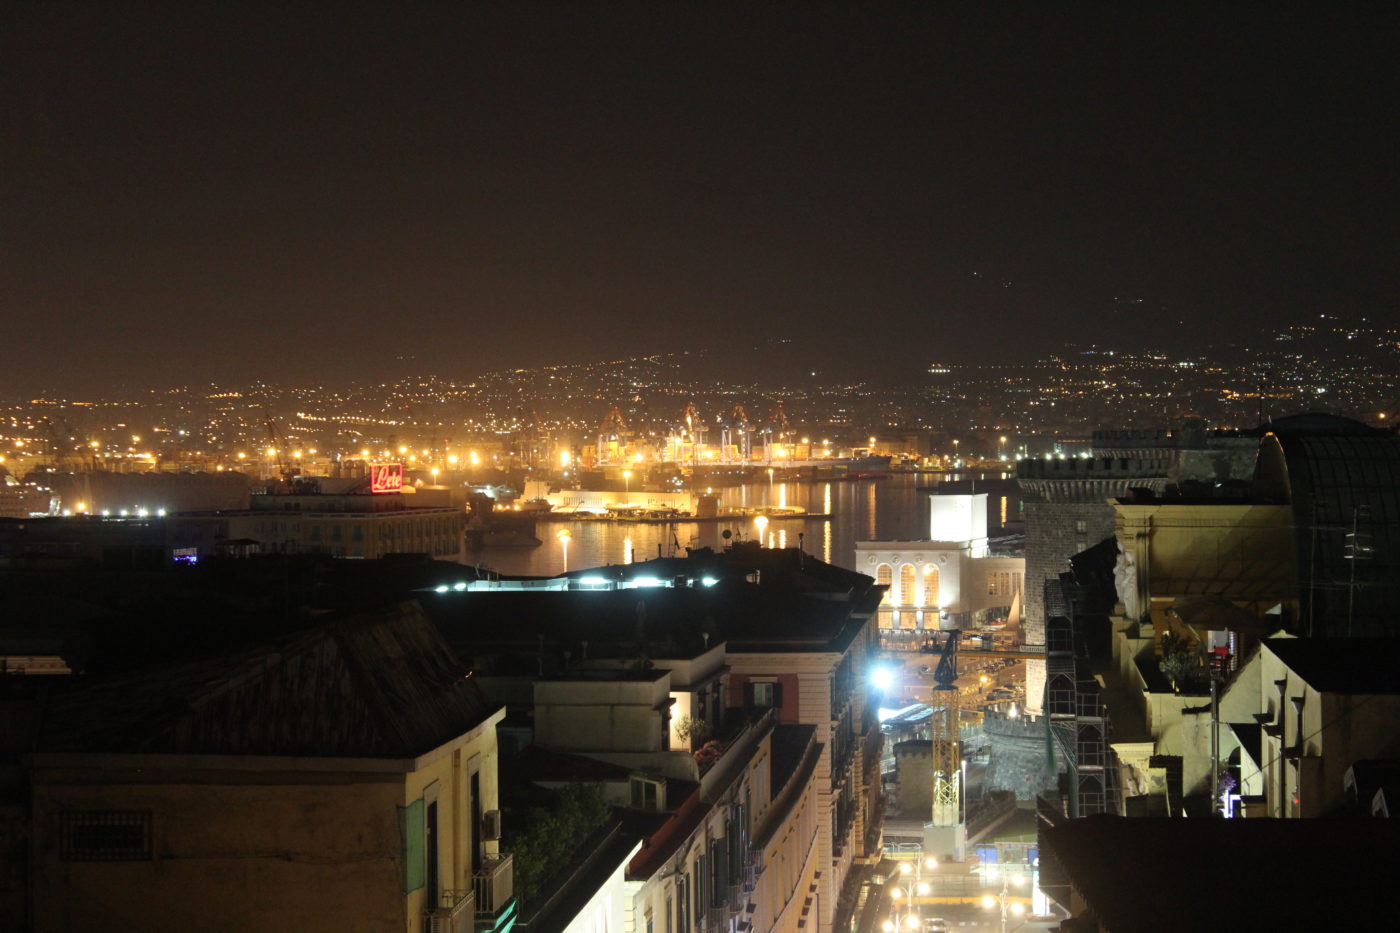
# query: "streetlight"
{"type": "Point", "coordinates": [910, 920]}
{"type": "Point", "coordinates": [761, 523]}
{"type": "Point", "coordinates": [991, 902]}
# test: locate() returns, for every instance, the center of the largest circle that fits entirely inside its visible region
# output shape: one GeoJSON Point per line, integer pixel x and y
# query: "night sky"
{"type": "Point", "coordinates": [195, 195]}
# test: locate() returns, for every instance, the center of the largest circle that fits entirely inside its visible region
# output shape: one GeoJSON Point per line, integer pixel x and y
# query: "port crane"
{"type": "Point", "coordinates": [694, 430]}
{"type": "Point", "coordinates": [777, 429]}
{"type": "Point", "coordinates": [612, 430]}
{"type": "Point", "coordinates": [736, 432]}
{"type": "Point", "coordinates": [288, 470]}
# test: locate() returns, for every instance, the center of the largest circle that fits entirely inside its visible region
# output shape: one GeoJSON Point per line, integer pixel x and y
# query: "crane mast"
{"type": "Point", "coordinates": [945, 833]}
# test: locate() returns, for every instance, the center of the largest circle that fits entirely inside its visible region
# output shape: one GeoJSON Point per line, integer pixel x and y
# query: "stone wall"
{"type": "Point", "coordinates": [1067, 511]}
{"type": "Point", "coordinates": [1016, 757]}
{"type": "Point", "coordinates": [913, 763]}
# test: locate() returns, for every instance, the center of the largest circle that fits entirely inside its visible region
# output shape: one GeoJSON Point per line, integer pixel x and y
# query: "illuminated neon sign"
{"type": "Point", "coordinates": [385, 477]}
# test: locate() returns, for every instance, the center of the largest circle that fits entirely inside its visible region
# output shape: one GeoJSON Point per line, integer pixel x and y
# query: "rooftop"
{"type": "Point", "coordinates": [1342, 665]}
{"type": "Point", "coordinates": [381, 684]}
{"type": "Point", "coordinates": [1155, 875]}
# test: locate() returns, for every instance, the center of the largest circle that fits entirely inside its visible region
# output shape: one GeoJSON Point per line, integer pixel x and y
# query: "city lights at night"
{"type": "Point", "coordinates": [698, 468]}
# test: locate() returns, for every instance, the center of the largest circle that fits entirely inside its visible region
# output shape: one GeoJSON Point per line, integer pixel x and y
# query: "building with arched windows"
{"type": "Point", "coordinates": [953, 579]}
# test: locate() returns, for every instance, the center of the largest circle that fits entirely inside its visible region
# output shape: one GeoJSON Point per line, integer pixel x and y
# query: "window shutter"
{"type": "Point", "coordinates": [719, 849]}
{"type": "Point", "coordinates": [414, 852]}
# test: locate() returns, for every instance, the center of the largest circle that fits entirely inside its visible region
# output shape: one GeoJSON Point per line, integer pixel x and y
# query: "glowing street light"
{"type": "Point", "coordinates": [761, 523]}
{"type": "Point", "coordinates": [991, 902]}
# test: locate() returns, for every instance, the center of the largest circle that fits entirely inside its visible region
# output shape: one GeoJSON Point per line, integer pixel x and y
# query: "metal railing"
{"type": "Point", "coordinates": [493, 884]}
{"type": "Point", "coordinates": [455, 913]}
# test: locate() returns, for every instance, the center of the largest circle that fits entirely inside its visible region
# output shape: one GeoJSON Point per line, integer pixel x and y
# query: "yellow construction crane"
{"type": "Point", "coordinates": [947, 749]}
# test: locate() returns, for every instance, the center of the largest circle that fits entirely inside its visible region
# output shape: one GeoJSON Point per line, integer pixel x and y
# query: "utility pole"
{"type": "Point", "coordinates": [1217, 674]}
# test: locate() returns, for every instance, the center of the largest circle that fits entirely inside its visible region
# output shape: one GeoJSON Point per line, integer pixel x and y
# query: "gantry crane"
{"type": "Point", "coordinates": [613, 428]}
{"type": "Point", "coordinates": [736, 432]}
{"type": "Point", "coordinates": [778, 429]}
{"type": "Point", "coordinates": [695, 431]}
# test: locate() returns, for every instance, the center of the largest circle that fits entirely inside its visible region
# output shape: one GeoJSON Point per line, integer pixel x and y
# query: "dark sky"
{"type": "Point", "coordinates": [193, 194]}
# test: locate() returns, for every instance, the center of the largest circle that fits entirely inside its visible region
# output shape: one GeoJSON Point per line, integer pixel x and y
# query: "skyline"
{"type": "Point", "coordinates": [304, 194]}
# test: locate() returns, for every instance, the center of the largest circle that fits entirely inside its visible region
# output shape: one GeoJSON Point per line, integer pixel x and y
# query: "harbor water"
{"type": "Point", "coordinates": [892, 508]}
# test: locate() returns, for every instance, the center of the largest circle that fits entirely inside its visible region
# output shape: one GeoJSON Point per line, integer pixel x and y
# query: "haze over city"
{"type": "Point", "coordinates": [197, 192]}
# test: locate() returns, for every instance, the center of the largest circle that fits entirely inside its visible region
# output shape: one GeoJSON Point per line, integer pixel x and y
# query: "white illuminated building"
{"type": "Point", "coordinates": [952, 579]}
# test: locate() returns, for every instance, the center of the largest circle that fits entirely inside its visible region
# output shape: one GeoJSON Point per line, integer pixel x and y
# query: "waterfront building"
{"type": "Point", "coordinates": [954, 579]}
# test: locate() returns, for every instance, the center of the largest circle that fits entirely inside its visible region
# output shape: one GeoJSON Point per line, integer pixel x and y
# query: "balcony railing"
{"type": "Point", "coordinates": [494, 884]}
{"type": "Point", "coordinates": [455, 913]}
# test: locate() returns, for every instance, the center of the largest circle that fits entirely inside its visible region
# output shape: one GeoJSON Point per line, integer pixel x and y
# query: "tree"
{"type": "Point", "coordinates": [1181, 665]}
{"type": "Point", "coordinates": [546, 837]}
{"type": "Point", "coordinates": [692, 730]}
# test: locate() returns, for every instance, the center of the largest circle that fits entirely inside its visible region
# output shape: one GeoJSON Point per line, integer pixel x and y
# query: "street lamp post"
{"type": "Point", "coordinates": [992, 902]}
{"type": "Point", "coordinates": [908, 921]}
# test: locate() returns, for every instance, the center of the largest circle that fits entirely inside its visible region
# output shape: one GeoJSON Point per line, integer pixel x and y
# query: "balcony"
{"type": "Point", "coordinates": [455, 913]}
{"type": "Point", "coordinates": [493, 884]}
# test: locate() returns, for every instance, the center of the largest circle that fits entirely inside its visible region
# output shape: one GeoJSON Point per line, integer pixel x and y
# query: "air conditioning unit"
{"type": "Point", "coordinates": [491, 825]}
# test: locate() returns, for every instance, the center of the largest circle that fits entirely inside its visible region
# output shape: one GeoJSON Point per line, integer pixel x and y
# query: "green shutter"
{"type": "Point", "coordinates": [414, 860]}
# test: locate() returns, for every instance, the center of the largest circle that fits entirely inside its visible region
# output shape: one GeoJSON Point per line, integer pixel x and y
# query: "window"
{"type": "Point", "coordinates": [1081, 526]}
{"type": "Point", "coordinates": [765, 694]}
{"type": "Point", "coordinates": [906, 585]}
{"type": "Point", "coordinates": [648, 793]}
{"type": "Point", "coordinates": [701, 888]}
{"type": "Point", "coordinates": [884, 576]}
{"type": "Point", "coordinates": [930, 585]}
{"type": "Point", "coordinates": [105, 836]}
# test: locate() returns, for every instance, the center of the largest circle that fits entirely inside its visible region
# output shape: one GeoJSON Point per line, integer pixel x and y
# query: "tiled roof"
{"type": "Point", "coordinates": [378, 684]}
